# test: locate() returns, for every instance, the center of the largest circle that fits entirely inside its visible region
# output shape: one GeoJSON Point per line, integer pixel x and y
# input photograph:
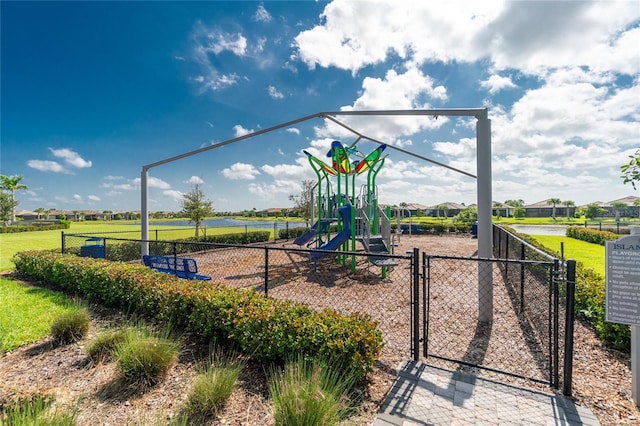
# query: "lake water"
{"type": "Point", "coordinates": [540, 229]}
{"type": "Point", "coordinates": [227, 222]}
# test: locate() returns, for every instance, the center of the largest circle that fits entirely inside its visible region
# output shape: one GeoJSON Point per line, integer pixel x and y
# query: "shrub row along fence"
{"type": "Point", "coordinates": [346, 283]}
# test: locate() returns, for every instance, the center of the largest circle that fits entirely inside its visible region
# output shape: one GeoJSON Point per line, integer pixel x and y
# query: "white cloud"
{"type": "Point", "coordinates": [195, 180]}
{"type": "Point", "coordinates": [154, 182]}
{"type": "Point", "coordinates": [293, 130]}
{"type": "Point", "coordinates": [510, 34]}
{"type": "Point", "coordinates": [496, 83]}
{"type": "Point", "coordinates": [262, 15]}
{"type": "Point", "coordinates": [274, 93]}
{"type": "Point", "coordinates": [93, 198]}
{"type": "Point", "coordinates": [47, 166]}
{"type": "Point", "coordinates": [408, 90]}
{"type": "Point", "coordinates": [173, 194]}
{"type": "Point", "coordinates": [77, 197]}
{"type": "Point", "coordinates": [289, 171]}
{"type": "Point", "coordinates": [214, 41]}
{"type": "Point", "coordinates": [72, 158]}
{"type": "Point", "coordinates": [240, 171]}
{"type": "Point", "coordinates": [266, 191]}
{"type": "Point", "coordinates": [355, 34]}
{"type": "Point", "coordinates": [217, 41]}
{"type": "Point", "coordinates": [238, 131]}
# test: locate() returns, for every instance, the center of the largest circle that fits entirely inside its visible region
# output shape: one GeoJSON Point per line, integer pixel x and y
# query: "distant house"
{"type": "Point", "coordinates": [610, 211]}
{"type": "Point", "coordinates": [451, 210]}
{"type": "Point", "coordinates": [26, 215]}
{"type": "Point", "coordinates": [277, 211]}
{"type": "Point", "coordinates": [544, 209]}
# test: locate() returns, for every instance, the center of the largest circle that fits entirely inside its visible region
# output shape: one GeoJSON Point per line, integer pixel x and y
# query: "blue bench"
{"type": "Point", "coordinates": [182, 267]}
{"type": "Point", "coordinates": [411, 229]}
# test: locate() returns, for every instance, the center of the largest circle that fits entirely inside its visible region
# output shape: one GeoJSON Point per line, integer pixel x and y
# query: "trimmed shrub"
{"type": "Point", "coordinates": [284, 234]}
{"type": "Point", "coordinates": [34, 227]}
{"type": "Point", "coordinates": [592, 236]}
{"type": "Point", "coordinates": [269, 329]}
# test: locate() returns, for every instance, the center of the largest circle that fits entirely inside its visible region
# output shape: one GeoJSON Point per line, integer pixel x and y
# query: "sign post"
{"type": "Point", "coordinates": [623, 295]}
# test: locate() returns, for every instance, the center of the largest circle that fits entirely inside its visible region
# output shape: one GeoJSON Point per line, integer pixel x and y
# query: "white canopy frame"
{"type": "Point", "coordinates": [483, 178]}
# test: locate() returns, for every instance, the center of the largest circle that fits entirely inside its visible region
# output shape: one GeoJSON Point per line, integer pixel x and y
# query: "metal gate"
{"type": "Point", "coordinates": [530, 306]}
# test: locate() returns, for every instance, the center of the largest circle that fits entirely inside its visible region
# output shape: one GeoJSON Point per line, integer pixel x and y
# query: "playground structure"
{"type": "Point", "coordinates": [358, 217]}
{"type": "Point", "coordinates": [483, 178]}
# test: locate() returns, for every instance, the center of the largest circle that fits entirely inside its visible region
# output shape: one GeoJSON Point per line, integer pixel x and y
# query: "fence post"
{"type": "Point", "coordinates": [415, 261]}
{"type": "Point", "coordinates": [266, 271]}
{"type": "Point", "coordinates": [426, 294]}
{"type": "Point", "coordinates": [63, 243]}
{"type": "Point", "coordinates": [556, 326]}
{"type": "Point", "coordinates": [568, 332]}
{"type": "Point", "coordinates": [522, 257]}
{"type": "Point", "coordinates": [175, 257]}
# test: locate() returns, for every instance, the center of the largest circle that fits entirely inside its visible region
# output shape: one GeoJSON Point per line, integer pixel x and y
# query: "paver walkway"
{"type": "Point", "coordinates": [427, 395]}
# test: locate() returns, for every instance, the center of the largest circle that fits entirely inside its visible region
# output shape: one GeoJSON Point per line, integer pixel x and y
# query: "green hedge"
{"type": "Point", "coordinates": [591, 235]}
{"type": "Point", "coordinates": [34, 227]}
{"type": "Point", "coordinates": [268, 329]}
{"type": "Point", "coordinates": [590, 296]}
{"type": "Point", "coordinates": [284, 234]}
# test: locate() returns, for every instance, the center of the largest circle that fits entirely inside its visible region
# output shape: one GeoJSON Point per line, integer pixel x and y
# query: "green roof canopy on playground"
{"type": "Point", "coordinates": [483, 178]}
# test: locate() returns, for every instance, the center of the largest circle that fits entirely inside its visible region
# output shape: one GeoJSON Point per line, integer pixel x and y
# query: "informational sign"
{"type": "Point", "coordinates": [623, 280]}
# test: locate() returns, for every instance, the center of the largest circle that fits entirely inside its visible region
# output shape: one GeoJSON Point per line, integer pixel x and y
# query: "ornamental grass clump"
{"type": "Point", "coordinates": [214, 384]}
{"type": "Point", "coordinates": [102, 347]}
{"type": "Point", "coordinates": [306, 393]}
{"type": "Point", "coordinates": [36, 411]}
{"type": "Point", "coordinates": [144, 358]}
{"type": "Point", "coordinates": [71, 326]}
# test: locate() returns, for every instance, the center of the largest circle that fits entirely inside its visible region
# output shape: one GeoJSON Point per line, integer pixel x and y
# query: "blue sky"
{"type": "Point", "coordinates": [92, 91]}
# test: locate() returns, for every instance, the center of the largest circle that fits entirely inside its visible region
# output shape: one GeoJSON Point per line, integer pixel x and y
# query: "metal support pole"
{"type": "Point", "coordinates": [144, 211]}
{"type": "Point", "coordinates": [485, 271]}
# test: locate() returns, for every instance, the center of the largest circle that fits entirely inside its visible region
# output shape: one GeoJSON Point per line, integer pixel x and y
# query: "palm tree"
{"type": "Point", "coordinates": [498, 205]}
{"type": "Point", "coordinates": [567, 204]}
{"type": "Point", "coordinates": [553, 202]}
{"type": "Point", "coordinates": [442, 208]}
{"type": "Point", "coordinates": [12, 184]}
{"type": "Point", "coordinates": [617, 207]}
{"type": "Point", "coordinates": [39, 211]}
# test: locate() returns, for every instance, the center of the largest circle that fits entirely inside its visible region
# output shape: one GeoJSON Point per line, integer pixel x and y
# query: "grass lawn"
{"type": "Point", "coordinates": [26, 313]}
{"type": "Point", "coordinates": [591, 255]}
{"type": "Point", "coordinates": [10, 244]}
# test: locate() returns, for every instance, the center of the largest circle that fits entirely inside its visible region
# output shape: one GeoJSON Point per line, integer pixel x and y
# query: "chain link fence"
{"type": "Point", "coordinates": [517, 343]}
{"type": "Point", "coordinates": [527, 334]}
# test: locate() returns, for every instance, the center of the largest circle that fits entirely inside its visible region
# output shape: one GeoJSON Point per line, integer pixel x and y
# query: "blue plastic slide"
{"type": "Point", "coordinates": [340, 238]}
{"type": "Point", "coordinates": [312, 232]}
